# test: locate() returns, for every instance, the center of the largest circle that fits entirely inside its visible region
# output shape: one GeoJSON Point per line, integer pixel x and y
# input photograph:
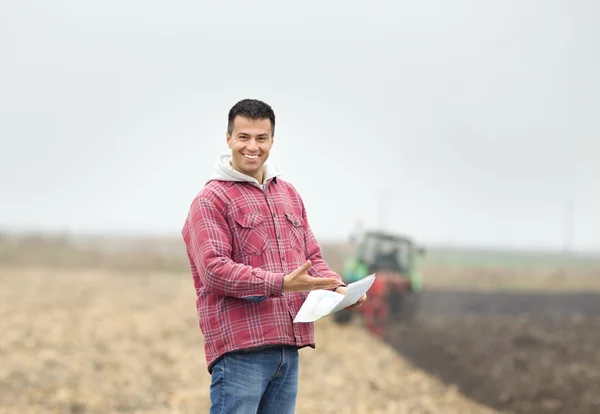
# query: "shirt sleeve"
{"type": "Point", "coordinates": [208, 240]}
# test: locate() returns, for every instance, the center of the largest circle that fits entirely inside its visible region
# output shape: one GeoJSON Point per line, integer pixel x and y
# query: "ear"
{"type": "Point", "coordinates": [228, 139]}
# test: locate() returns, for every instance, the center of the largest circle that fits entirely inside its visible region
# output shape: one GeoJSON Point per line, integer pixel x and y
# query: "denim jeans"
{"type": "Point", "coordinates": [255, 382]}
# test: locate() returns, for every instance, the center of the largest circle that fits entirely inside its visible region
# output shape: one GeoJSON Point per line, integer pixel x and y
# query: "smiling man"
{"type": "Point", "coordinates": [253, 259]}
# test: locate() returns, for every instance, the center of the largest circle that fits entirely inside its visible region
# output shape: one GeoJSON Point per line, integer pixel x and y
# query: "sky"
{"type": "Point", "coordinates": [465, 122]}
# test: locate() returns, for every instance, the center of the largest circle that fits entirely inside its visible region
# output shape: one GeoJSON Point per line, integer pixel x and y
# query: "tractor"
{"type": "Point", "coordinates": [395, 294]}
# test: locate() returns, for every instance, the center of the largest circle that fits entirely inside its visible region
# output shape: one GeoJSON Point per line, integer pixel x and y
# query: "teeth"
{"type": "Point", "coordinates": [251, 156]}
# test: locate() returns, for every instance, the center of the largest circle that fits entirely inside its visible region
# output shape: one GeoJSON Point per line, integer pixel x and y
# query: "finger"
{"type": "Point", "coordinates": [321, 283]}
{"type": "Point", "coordinates": [356, 305]}
{"type": "Point", "coordinates": [331, 283]}
{"type": "Point", "coordinates": [304, 267]}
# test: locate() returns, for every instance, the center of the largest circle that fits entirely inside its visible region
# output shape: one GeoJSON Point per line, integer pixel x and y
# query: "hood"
{"type": "Point", "coordinates": [223, 171]}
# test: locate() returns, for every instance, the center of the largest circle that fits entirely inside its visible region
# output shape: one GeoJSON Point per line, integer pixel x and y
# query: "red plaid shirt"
{"type": "Point", "coordinates": [240, 242]}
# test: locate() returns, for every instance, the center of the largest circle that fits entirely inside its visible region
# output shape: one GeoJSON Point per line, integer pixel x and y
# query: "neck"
{"type": "Point", "coordinates": [258, 176]}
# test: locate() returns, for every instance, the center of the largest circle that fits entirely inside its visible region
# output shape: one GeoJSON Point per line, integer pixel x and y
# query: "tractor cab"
{"type": "Point", "coordinates": [381, 252]}
{"type": "Point", "coordinates": [386, 252]}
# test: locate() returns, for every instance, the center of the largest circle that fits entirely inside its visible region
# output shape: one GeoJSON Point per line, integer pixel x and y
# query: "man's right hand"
{"type": "Point", "coordinates": [300, 281]}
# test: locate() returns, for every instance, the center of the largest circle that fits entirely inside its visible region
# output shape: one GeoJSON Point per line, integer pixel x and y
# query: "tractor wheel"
{"type": "Point", "coordinates": [396, 304]}
{"type": "Point", "coordinates": [410, 307]}
{"type": "Point", "coordinates": [342, 317]}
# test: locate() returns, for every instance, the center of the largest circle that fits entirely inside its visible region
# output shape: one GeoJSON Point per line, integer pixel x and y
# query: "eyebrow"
{"type": "Point", "coordinates": [259, 135]}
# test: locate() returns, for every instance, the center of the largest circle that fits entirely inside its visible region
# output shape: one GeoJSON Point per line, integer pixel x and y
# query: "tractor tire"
{"type": "Point", "coordinates": [396, 304]}
{"type": "Point", "coordinates": [410, 307]}
{"type": "Point", "coordinates": [342, 317]}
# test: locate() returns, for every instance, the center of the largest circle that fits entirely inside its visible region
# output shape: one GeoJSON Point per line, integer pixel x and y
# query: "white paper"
{"type": "Point", "coordinates": [320, 303]}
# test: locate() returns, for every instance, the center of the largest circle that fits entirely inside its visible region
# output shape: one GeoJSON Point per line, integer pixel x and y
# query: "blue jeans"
{"type": "Point", "coordinates": [255, 382]}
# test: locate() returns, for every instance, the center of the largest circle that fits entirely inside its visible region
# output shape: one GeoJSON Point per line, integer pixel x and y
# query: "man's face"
{"type": "Point", "coordinates": [250, 143]}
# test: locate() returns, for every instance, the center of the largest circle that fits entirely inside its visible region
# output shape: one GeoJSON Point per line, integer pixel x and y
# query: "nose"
{"type": "Point", "coordinates": [252, 146]}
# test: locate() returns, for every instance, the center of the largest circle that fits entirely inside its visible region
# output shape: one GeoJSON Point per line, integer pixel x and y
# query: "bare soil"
{"type": "Point", "coordinates": [525, 353]}
{"type": "Point", "coordinates": [77, 341]}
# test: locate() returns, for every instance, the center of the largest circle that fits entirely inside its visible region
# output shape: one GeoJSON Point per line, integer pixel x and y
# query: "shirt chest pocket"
{"type": "Point", "coordinates": [296, 229]}
{"type": "Point", "coordinates": [250, 235]}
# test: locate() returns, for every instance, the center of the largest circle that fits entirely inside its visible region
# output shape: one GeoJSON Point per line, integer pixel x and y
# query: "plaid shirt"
{"type": "Point", "coordinates": [241, 242]}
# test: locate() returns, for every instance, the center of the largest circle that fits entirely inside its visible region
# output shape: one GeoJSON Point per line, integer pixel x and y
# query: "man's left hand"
{"type": "Point", "coordinates": [343, 290]}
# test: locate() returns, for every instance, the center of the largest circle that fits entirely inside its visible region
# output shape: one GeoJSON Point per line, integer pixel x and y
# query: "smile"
{"type": "Point", "coordinates": [252, 157]}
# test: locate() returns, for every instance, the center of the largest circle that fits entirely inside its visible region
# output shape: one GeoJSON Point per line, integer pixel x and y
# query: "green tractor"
{"type": "Point", "coordinates": [395, 293]}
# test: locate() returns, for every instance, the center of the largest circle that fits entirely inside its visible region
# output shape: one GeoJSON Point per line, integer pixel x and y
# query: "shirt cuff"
{"type": "Point", "coordinates": [273, 284]}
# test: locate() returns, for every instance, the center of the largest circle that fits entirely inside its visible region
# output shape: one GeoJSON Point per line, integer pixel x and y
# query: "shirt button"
{"type": "Point", "coordinates": [282, 259]}
{"type": "Point", "coordinates": [274, 214]}
{"type": "Point", "coordinates": [279, 236]}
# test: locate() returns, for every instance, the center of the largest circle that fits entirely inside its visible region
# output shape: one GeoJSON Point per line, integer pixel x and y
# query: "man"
{"type": "Point", "coordinates": [253, 259]}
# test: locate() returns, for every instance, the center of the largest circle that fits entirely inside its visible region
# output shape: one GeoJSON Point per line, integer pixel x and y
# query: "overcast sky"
{"type": "Point", "coordinates": [470, 122]}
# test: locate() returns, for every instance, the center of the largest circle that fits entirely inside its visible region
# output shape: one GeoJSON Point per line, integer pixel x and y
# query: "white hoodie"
{"type": "Point", "coordinates": [223, 171]}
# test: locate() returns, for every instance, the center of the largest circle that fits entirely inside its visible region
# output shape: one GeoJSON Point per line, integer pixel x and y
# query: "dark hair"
{"type": "Point", "coordinates": [251, 109]}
